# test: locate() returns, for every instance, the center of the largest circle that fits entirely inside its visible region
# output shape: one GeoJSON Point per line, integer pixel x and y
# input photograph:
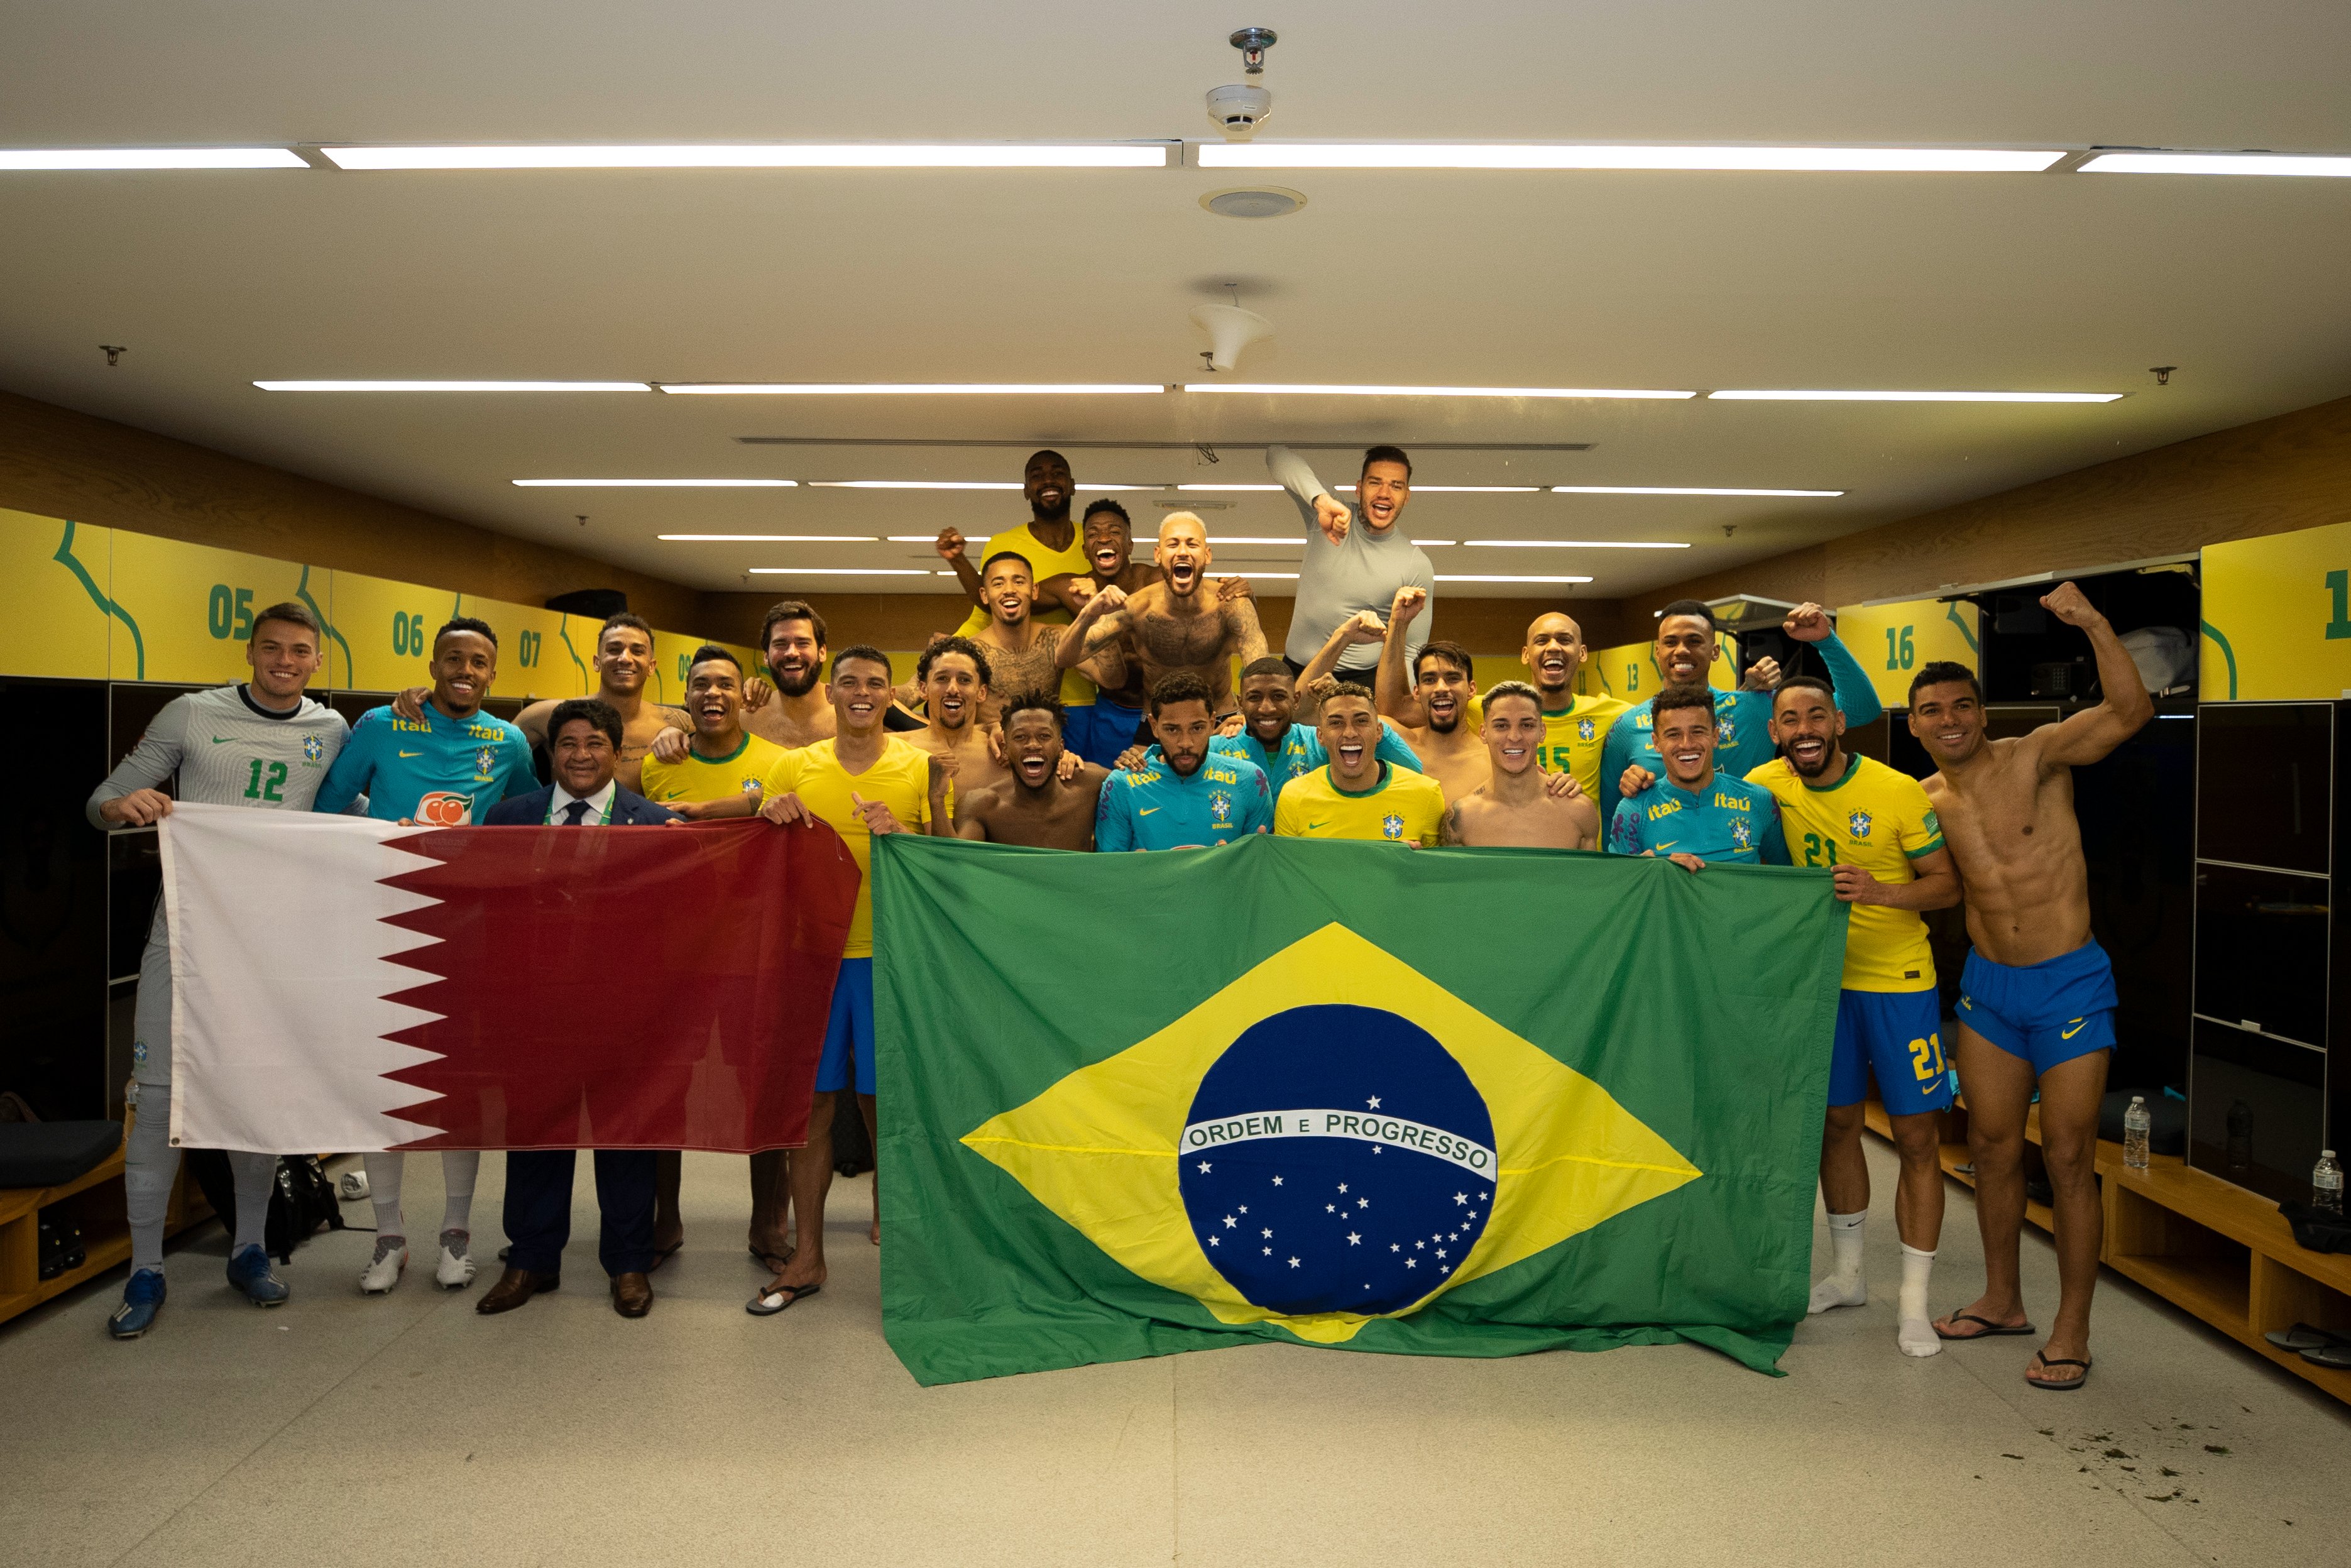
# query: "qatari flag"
{"type": "Point", "coordinates": [342, 984]}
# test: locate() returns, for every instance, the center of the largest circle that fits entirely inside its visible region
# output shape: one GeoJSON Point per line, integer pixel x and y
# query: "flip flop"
{"type": "Point", "coordinates": [2048, 1361]}
{"type": "Point", "coordinates": [666, 1254]}
{"type": "Point", "coordinates": [775, 1298]}
{"type": "Point", "coordinates": [2303, 1336]}
{"type": "Point", "coordinates": [773, 1262]}
{"type": "Point", "coordinates": [1990, 1330]}
{"type": "Point", "coordinates": [2336, 1355]}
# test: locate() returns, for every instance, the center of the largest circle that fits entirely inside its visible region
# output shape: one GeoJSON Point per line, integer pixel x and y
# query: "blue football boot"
{"type": "Point", "coordinates": [143, 1298]}
{"type": "Point", "coordinates": [249, 1272]}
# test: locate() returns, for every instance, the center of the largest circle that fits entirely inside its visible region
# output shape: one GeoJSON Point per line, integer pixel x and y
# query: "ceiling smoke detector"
{"type": "Point", "coordinates": [1238, 108]}
{"type": "Point", "coordinates": [1254, 202]}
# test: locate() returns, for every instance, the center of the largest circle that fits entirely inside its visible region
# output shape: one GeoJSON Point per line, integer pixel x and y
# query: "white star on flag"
{"type": "Point", "coordinates": [1277, 1181]}
{"type": "Point", "coordinates": [1293, 1262]}
{"type": "Point", "coordinates": [1412, 1262]}
{"type": "Point", "coordinates": [1230, 1222]}
{"type": "Point", "coordinates": [1353, 1239]}
{"type": "Point", "coordinates": [1204, 1167]}
{"type": "Point", "coordinates": [1268, 1234]}
{"type": "Point", "coordinates": [1373, 1102]}
{"type": "Point", "coordinates": [1457, 1197]}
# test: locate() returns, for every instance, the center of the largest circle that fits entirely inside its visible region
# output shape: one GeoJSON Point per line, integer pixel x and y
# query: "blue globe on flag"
{"type": "Point", "coordinates": [1337, 1159]}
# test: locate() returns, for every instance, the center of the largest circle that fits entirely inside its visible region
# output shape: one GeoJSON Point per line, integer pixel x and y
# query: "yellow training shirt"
{"type": "Point", "coordinates": [1404, 806]}
{"type": "Point", "coordinates": [899, 779]}
{"type": "Point", "coordinates": [700, 778]}
{"type": "Point", "coordinates": [1572, 741]}
{"type": "Point", "coordinates": [1077, 690]}
{"type": "Point", "coordinates": [1877, 818]}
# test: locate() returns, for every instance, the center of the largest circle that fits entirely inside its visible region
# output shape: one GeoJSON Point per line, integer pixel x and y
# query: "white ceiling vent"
{"type": "Point", "coordinates": [1254, 202]}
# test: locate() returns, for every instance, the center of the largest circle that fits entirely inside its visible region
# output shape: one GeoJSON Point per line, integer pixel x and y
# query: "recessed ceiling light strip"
{"type": "Point", "coordinates": [1493, 578]}
{"type": "Point", "coordinates": [2305, 165]}
{"type": "Point", "coordinates": [1274, 389]}
{"type": "Point", "coordinates": [772, 538]}
{"type": "Point", "coordinates": [34, 159]}
{"type": "Point", "coordinates": [451, 386]}
{"type": "Point", "coordinates": [1532, 155]}
{"type": "Point", "coordinates": [911, 389]}
{"type": "Point", "coordinates": [1817, 396]}
{"type": "Point", "coordinates": [659, 484]}
{"type": "Point", "coordinates": [837, 571]}
{"type": "Point", "coordinates": [1675, 490]}
{"type": "Point", "coordinates": [764, 156]}
{"type": "Point", "coordinates": [1574, 544]}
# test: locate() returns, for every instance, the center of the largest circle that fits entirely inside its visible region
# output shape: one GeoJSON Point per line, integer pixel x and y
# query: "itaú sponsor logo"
{"type": "Point", "coordinates": [445, 809]}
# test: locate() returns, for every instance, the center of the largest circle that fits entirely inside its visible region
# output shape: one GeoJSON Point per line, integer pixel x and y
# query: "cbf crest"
{"type": "Point", "coordinates": [1220, 808]}
{"type": "Point", "coordinates": [1742, 833]}
{"type": "Point", "coordinates": [1392, 826]}
{"type": "Point", "coordinates": [1584, 729]}
{"type": "Point", "coordinates": [482, 759]}
{"type": "Point", "coordinates": [313, 748]}
{"type": "Point", "coordinates": [1858, 823]}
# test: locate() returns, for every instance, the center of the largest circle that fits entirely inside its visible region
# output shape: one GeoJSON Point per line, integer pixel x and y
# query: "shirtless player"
{"type": "Point", "coordinates": [1514, 806]}
{"type": "Point", "coordinates": [1019, 649]}
{"type": "Point", "coordinates": [2037, 998]}
{"type": "Point", "coordinates": [623, 661]}
{"type": "Point", "coordinates": [954, 675]}
{"type": "Point", "coordinates": [792, 637]}
{"type": "Point", "coordinates": [1035, 807]}
{"type": "Point", "coordinates": [1170, 625]}
{"type": "Point", "coordinates": [1433, 709]}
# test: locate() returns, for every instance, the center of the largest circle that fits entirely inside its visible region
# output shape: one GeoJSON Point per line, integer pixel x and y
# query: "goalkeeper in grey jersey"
{"type": "Point", "coordinates": [259, 743]}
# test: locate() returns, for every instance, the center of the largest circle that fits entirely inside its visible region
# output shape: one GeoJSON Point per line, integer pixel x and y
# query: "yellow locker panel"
{"type": "Point", "coordinates": [185, 611]}
{"type": "Point", "coordinates": [2277, 617]}
{"type": "Point", "coordinates": [64, 622]}
{"type": "Point", "coordinates": [1894, 641]}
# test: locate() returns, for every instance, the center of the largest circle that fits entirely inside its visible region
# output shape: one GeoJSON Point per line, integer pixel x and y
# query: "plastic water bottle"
{"type": "Point", "coordinates": [2135, 1121]}
{"type": "Point", "coordinates": [2326, 1183]}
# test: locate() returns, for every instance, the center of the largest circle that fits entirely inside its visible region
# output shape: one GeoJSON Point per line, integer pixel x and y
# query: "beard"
{"type": "Point", "coordinates": [797, 685]}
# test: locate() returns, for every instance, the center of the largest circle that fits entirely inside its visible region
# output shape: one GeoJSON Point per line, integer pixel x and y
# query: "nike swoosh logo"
{"type": "Point", "coordinates": [1146, 810]}
{"type": "Point", "coordinates": [1313, 826]}
{"type": "Point", "coordinates": [2079, 1025]}
{"type": "Point", "coordinates": [412, 754]}
{"type": "Point", "coordinates": [219, 740]}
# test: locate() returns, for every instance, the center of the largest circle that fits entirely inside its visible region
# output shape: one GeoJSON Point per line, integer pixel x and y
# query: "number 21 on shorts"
{"type": "Point", "coordinates": [1926, 1058]}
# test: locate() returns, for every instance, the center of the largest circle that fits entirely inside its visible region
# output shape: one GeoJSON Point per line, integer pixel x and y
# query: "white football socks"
{"type": "Point", "coordinates": [459, 1167]}
{"type": "Point", "coordinates": [1917, 1335]}
{"type": "Point", "coordinates": [1843, 1287]}
{"type": "Point", "coordinates": [384, 1172]}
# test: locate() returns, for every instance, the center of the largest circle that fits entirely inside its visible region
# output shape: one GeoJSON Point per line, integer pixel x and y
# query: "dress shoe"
{"type": "Point", "coordinates": [515, 1286]}
{"type": "Point", "coordinates": [633, 1295]}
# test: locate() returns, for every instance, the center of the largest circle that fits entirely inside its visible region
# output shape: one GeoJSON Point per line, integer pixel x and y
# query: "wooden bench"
{"type": "Point", "coordinates": [2205, 1245]}
{"type": "Point", "coordinates": [92, 1200]}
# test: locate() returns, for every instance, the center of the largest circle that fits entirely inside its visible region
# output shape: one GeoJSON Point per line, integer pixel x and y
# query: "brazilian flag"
{"type": "Point", "coordinates": [1436, 1101]}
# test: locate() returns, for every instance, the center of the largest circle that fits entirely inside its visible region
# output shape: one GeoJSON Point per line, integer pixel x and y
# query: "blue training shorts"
{"type": "Point", "coordinates": [849, 1032]}
{"type": "Point", "coordinates": [2048, 1012]}
{"type": "Point", "coordinates": [1898, 1035]}
{"type": "Point", "coordinates": [1107, 729]}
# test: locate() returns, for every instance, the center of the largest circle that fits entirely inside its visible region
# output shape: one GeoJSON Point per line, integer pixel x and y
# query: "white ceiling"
{"type": "Point", "coordinates": [2065, 282]}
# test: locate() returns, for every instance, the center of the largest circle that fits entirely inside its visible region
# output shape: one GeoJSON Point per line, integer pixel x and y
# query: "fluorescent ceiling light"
{"type": "Point", "coordinates": [1525, 155]}
{"type": "Point", "coordinates": [910, 389]}
{"type": "Point", "coordinates": [2215, 163]}
{"type": "Point", "coordinates": [1425, 543]}
{"type": "Point", "coordinates": [35, 157]}
{"type": "Point", "coordinates": [452, 386]}
{"type": "Point", "coordinates": [1276, 387]}
{"type": "Point", "coordinates": [837, 571]}
{"type": "Point", "coordinates": [660, 484]}
{"type": "Point", "coordinates": [914, 484]}
{"type": "Point", "coordinates": [1918, 396]}
{"type": "Point", "coordinates": [1465, 489]}
{"type": "Point", "coordinates": [765, 155]}
{"type": "Point", "coordinates": [1206, 488]}
{"type": "Point", "coordinates": [1675, 490]}
{"type": "Point", "coordinates": [1274, 575]}
{"type": "Point", "coordinates": [771, 539]}
{"type": "Point", "coordinates": [1295, 541]}
{"type": "Point", "coordinates": [1574, 544]}
{"type": "Point", "coordinates": [1487, 577]}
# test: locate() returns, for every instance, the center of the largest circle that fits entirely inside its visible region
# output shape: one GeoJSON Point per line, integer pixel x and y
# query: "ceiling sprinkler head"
{"type": "Point", "coordinates": [1253, 42]}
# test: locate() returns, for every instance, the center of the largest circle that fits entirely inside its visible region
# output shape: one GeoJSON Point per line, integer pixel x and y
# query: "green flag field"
{"type": "Point", "coordinates": [1432, 1102]}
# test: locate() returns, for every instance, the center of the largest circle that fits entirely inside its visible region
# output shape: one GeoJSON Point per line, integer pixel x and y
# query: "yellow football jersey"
{"type": "Point", "coordinates": [899, 779]}
{"type": "Point", "coordinates": [1404, 806]}
{"type": "Point", "coordinates": [1878, 819]}
{"type": "Point", "coordinates": [1572, 740]}
{"type": "Point", "coordinates": [700, 778]}
{"type": "Point", "coordinates": [1077, 690]}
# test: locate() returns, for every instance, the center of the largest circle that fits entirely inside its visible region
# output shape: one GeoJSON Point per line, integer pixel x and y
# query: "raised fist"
{"type": "Point", "coordinates": [949, 544]}
{"type": "Point", "coordinates": [1807, 623]}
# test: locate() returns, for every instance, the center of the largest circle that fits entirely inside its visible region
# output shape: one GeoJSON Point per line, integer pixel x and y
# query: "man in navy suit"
{"type": "Point", "coordinates": [584, 745]}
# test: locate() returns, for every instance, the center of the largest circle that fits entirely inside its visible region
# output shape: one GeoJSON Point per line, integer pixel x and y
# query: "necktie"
{"type": "Point", "coordinates": [574, 812]}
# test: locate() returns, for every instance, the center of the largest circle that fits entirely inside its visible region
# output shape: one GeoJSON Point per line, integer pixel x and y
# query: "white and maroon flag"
{"type": "Point", "coordinates": [343, 984]}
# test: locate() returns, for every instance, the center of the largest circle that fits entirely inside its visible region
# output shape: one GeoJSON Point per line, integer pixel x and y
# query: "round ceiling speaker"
{"type": "Point", "coordinates": [1254, 202]}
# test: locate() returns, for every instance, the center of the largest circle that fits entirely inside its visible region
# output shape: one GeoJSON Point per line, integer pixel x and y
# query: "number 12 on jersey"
{"type": "Point", "coordinates": [265, 780]}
